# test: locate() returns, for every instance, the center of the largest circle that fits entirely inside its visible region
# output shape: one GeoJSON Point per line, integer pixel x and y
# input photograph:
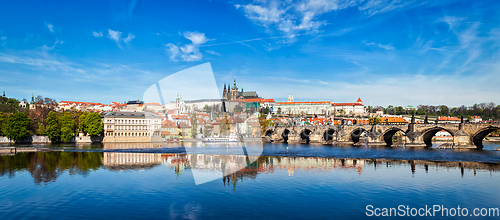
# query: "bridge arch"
{"type": "Point", "coordinates": [285, 134]}
{"type": "Point", "coordinates": [389, 133]}
{"type": "Point", "coordinates": [305, 134]}
{"type": "Point", "coordinates": [478, 137]}
{"type": "Point", "coordinates": [328, 134]}
{"type": "Point", "coordinates": [356, 134]}
{"type": "Point", "coordinates": [269, 132]}
{"type": "Point", "coordinates": [429, 133]}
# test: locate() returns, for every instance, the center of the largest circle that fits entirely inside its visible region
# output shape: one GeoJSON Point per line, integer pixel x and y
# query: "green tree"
{"type": "Point", "coordinates": [53, 128]}
{"type": "Point", "coordinates": [17, 126]}
{"type": "Point", "coordinates": [238, 109]}
{"type": "Point", "coordinates": [82, 123]}
{"type": "Point", "coordinates": [223, 125]}
{"type": "Point", "coordinates": [3, 124]}
{"type": "Point", "coordinates": [68, 127]}
{"type": "Point", "coordinates": [94, 124]}
{"type": "Point", "coordinates": [41, 130]}
{"type": "Point", "coordinates": [372, 119]}
{"type": "Point", "coordinates": [194, 125]}
{"type": "Point", "coordinates": [206, 108]}
{"type": "Point", "coordinates": [263, 122]}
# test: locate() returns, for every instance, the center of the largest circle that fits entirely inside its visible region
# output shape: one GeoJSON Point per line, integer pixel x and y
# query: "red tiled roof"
{"type": "Point", "coordinates": [293, 103]}
{"type": "Point", "coordinates": [443, 118]}
{"type": "Point", "coordinates": [180, 117]}
{"type": "Point", "coordinates": [79, 103]}
{"type": "Point", "coordinates": [346, 104]}
{"type": "Point", "coordinates": [359, 100]}
{"type": "Point", "coordinates": [168, 123]}
{"type": "Point", "coordinates": [393, 120]}
{"type": "Point", "coordinates": [261, 100]}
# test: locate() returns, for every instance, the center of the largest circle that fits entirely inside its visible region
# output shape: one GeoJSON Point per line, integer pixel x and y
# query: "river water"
{"type": "Point", "coordinates": [303, 181]}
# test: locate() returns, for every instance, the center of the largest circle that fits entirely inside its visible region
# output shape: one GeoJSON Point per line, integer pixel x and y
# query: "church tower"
{"type": "Point", "coordinates": [234, 91]}
{"type": "Point", "coordinates": [290, 97]}
{"type": "Point", "coordinates": [224, 93]}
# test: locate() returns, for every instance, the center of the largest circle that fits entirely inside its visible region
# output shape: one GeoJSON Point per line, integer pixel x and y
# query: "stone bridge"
{"type": "Point", "coordinates": [465, 135]}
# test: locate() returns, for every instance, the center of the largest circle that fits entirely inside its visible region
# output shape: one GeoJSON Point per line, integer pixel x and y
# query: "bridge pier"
{"type": "Point", "coordinates": [375, 137]}
{"type": "Point", "coordinates": [343, 138]}
{"type": "Point", "coordinates": [294, 137]}
{"type": "Point", "coordinates": [462, 140]}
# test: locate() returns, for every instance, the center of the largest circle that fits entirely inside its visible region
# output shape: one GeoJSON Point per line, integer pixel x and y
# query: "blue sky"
{"type": "Point", "coordinates": [386, 52]}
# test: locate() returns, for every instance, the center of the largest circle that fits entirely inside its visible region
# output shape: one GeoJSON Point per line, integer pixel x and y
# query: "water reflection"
{"type": "Point", "coordinates": [131, 161]}
{"type": "Point", "coordinates": [48, 166]}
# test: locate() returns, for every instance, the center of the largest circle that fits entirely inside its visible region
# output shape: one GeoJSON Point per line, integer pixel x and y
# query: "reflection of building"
{"type": "Point", "coordinates": [229, 164]}
{"type": "Point", "coordinates": [131, 127]}
{"type": "Point", "coordinates": [125, 161]}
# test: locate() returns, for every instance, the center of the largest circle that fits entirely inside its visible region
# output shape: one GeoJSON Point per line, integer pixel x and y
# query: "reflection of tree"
{"type": "Point", "coordinates": [46, 167]}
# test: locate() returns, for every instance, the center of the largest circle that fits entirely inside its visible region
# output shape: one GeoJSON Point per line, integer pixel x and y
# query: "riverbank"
{"type": "Point", "coordinates": [15, 150]}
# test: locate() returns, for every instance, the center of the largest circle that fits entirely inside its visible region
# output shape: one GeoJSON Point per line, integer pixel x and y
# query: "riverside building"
{"type": "Point", "coordinates": [131, 127]}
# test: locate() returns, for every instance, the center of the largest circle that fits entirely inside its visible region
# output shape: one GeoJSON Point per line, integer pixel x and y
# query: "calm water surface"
{"type": "Point", "coordinates": [308, 181]}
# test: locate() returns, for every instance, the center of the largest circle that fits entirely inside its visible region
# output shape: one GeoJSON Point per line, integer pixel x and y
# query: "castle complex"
{"type": "Point", "coordinates": [232, 93]}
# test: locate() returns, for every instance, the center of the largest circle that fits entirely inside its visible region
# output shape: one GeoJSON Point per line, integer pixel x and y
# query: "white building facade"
{"type": "Point", "coordinates": [131, 127]}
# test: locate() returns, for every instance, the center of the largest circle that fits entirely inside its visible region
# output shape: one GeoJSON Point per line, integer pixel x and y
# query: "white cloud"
{"type": "Point", "coordinates": [373, 7]}
{"type": "Point", "coordinates": [41, 60]}
{"type": "Point", "coordinates": [293, 17]}
{"type": "Point", "coordinates": [385, 47]}
{"type": "Point", "coordinates": [117, 37]}
{"type": "Point", "coordinates": [452, 21]}
{"type": "Point", "coordinates": [114, 35]}
{"type": "Point", "coordinates": [196, 38]}
{"type": "Point", "coordinates": [97, 34]}
{"type": "Point", "coordinates": [188, 52]}
{"type": "Point", "coordinates": [128, 38]}
{"type": "Point", "coordinates": [3, 38]}
{"type": "Point", "coordinates": [51, 27]}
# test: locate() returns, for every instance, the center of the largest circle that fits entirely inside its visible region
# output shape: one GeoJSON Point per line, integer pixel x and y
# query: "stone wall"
{"type": "Point", "coordinates": [29, 140]}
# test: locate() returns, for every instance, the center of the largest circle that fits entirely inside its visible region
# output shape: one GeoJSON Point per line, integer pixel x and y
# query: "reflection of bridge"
{"type": "Point", "coordinates": [465, 135]}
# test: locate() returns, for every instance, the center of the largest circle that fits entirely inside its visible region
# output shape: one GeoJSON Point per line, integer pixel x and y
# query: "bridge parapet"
{"type": "Point", "coordinates": [465, 135]}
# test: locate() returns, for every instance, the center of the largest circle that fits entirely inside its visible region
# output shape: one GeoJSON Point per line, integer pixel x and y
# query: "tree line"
{"type": "Point", "coordinates": [484, 110]}
{"type": "Point", "coordinates": [59, 127]}
{"type": "Point", "coordinates": [18, 123]}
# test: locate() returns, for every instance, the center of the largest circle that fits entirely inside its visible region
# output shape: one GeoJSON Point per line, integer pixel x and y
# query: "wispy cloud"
{"type": "Point", "coordinates": [96, 34]}
{"type": "Point", "coordinates": [41, 60]}
{"type": "Point", "coordinates": [293, 17]}
{"type": "Point", "coordinates": [117, 37]}
{"type": "Point", "coordinates": [373, 7]}
{"type": "Point", "coordinates": [188, 52]}
{"type": "Point", "coordinates": [50, 27]}
{"type": "Point", "coordinates": [385, 47]}
{"type": "Point", "coordinates": [452, 21]}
